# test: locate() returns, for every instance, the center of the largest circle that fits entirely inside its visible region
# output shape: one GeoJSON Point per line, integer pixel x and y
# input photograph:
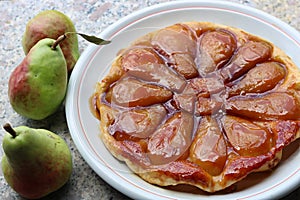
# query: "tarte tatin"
{"type": "Point", "coordinates": [199, 103]}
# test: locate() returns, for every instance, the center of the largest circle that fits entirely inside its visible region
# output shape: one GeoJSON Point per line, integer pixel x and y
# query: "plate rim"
{"type": "Point", "coordinates": [115, 28]}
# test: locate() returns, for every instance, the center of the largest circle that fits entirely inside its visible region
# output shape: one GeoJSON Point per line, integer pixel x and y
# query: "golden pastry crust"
{"type": "Point", "coordinates": [199, 103]}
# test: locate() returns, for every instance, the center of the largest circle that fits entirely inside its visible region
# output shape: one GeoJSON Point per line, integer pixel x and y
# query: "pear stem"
{"type": "Point", "coordinates": [58, 40]}
{"type": "Point", "coordinates": [10, 130]}
{"type": "Point", "coordinates": [89, 38]}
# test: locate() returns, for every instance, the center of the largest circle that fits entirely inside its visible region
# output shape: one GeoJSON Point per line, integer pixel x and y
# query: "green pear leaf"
{"type": "Point", "coordinates": [94, 39]}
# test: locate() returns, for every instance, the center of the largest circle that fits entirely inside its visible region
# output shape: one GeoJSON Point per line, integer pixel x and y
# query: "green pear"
{"type": "Point", "coordinates": [36, 162]}
{"type": "Point", "coordinates": [37, 86]}
{"type": "Point", "coordinates": [52, 24]}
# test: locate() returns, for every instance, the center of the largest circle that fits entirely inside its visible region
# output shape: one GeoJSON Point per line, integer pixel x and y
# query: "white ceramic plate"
{"type": "Point", "coordinates": [95, 62]}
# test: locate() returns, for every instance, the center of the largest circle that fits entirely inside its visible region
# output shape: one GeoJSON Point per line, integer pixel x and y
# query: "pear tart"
{"type": "Point", "coordinates": [199, 103]}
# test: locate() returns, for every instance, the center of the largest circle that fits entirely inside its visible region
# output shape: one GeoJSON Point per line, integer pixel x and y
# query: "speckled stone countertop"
{"type": "Point", "coordinates": [89, 16]}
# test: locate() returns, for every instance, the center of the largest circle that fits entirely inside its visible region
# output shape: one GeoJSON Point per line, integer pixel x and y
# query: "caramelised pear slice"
{"type": "Point", "coordinates": [209, 147]}
{"type": "Point", "coordinates": [263, 77]}
{"type": "Point", "coordinates": [130, 92]}
{"type": "Point", "coordinates": [246, 58]}
{"type": "Point", "coordinates": [216, 47]}
{"type": "Point", "coordinates": [135, 57]}
{"type": "Point", "coordinates": [159, 74]}
{"type": "Point", "coordinates": [277, 105]}
{"type": "Point", "coordinates": [178, 45]}
{"type": "Point", "coordinates": [247, 138]}
{"type": "Point", "coordinates": [171, 140]}
{"type": "Point", "coordinates": [140, 123]}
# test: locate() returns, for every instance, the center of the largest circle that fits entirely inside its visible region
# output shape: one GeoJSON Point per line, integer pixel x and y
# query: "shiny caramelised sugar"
{"type": "Point", "coordinates": [194, 104]}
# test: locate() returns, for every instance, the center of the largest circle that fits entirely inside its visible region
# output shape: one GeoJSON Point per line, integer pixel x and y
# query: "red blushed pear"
{"type": "Point", "coordinates": [52, 24]}
{"type": "Point", "coordinates": [36, 162]}
{"type": "Point", "coordinates": [37, 86]}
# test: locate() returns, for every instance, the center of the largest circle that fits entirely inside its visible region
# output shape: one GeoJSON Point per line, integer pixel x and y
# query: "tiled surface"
{"type": "Point", "coordinates": [89, 16]}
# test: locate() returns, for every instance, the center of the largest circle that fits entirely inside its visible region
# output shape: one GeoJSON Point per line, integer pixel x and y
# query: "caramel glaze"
{"type": "Point", "coordinates": [200, 104]}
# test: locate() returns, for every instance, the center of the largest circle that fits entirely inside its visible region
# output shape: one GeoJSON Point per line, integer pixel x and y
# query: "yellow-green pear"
{"type": "Point", "coordinates": [37, 86]}
{"type": "Point", "coordinates": [36, 162]}
{"type": "Point", "coordinates": [52, 24]}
